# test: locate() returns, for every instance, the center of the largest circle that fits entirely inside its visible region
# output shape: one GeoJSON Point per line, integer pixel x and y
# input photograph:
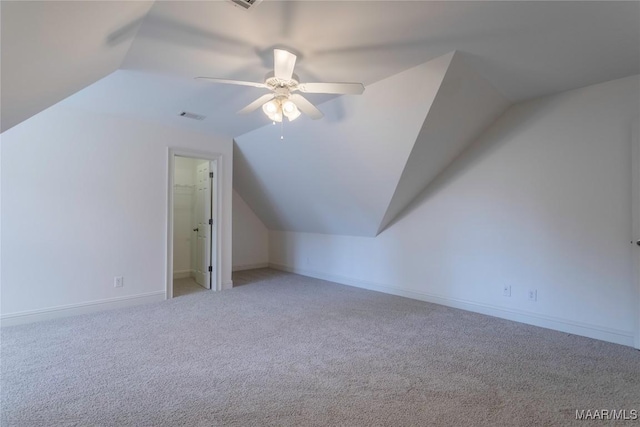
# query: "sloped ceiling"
{"type": "Point", "coordinates": [337, 176]}
{"type": "Point", "coordinates": [53, 49]}
{"type": "Point", "coordinates": [351, 172]}
{"type": "Point", "coordinates": [523, 49]}
{"type": "Point", "coordinates": [465, 105]}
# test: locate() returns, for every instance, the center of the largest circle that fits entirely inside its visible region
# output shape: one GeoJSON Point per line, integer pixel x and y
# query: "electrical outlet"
{"type": "Point", "coordinates": [118, 282]}
{"type": "Point", "coordinates": [532, 295]}
{"type": "Point", "coordinates": [506, 290]}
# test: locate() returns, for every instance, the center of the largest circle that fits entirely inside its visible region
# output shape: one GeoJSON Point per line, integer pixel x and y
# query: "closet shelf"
{"type": "Point", "coordinates": [184, 189]}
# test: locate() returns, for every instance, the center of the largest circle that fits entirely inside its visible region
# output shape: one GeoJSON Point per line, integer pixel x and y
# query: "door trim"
{"type": "Point", "coordinates": [172, 152]}
{"type": "Point", "coordinates": [635, 208]}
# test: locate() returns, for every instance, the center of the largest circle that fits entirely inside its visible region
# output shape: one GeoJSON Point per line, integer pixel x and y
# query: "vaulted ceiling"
{"type": "Point", "coordinates": [359, 166]}
{"type": "Point", "coordinates": [363, 165]}
{"type": "Point", "coordinates": [50, 50]}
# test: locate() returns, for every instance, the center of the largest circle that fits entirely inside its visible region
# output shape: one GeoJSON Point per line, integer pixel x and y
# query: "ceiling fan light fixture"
{"type": "Point", "coordinates": [289, 107]}
{"type": "Point", "coordinates": [290, 110]}
{"type": "Point", "coordinates": [293, 115]}
{"type": "Point", "coordinates": [276, 109]}
{"type": "Point", "coordinates": [276, 117]}
{"type": "Point", "coordinates": [271, 107]}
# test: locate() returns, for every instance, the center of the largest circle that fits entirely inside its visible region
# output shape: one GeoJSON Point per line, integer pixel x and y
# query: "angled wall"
{"type": "Point", "coordinates": [250, 237]}
{"type": "Point", "coordinates": [465, 105]}
{"type": "Point", "coordinates": [354, 172]}
{"type": "Point", "coordinates": [337, 175]}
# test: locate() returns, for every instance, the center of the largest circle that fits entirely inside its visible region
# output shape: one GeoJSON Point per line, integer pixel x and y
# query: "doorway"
{"type": "Point", "coordinates": [193, 210]}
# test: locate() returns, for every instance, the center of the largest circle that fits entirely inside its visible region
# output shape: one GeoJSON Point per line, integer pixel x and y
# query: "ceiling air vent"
{"type": "Point", "coordinates": [245, 4]}
{"type": "Point", "coordinates": [193, 116]}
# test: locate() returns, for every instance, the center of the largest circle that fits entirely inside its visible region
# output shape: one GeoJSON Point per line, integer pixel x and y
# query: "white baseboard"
{"type": "Point", "coordinates": [81, 308]}
{"type": "Point", "coordinates": [250, 266]}
{"type": "Point", "coordinates": [182, 274]}
{"type": "Point", "coordinates": [227, 285]}
{"type": "Point", "coordinates": [576, 328]}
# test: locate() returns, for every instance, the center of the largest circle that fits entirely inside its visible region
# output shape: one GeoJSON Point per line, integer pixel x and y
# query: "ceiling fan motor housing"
{"type": "Point", "coordinates": [276, 82]}
{"type": "Point", "coordinates": [282, 92]}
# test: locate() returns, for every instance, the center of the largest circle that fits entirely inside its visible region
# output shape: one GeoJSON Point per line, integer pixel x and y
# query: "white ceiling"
{"type": "Point", "coordinates": [53, 49]}
{"type": "Point", "coordinates": [524, 49]}
{"type": "Point", "coordinates": [464, 107]}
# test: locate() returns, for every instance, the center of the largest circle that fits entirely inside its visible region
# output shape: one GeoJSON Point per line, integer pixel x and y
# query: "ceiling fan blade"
{"type": "Point", "coordinates": [338, 88]}
{"type": "Point", "coordinates": [257, 103]}
{"type": "Point", "coordinates": [283, 64]}
{"type": "Point", "coordinates": [233, 82]}
{"type": "Point", "coordinates": [305, 106]}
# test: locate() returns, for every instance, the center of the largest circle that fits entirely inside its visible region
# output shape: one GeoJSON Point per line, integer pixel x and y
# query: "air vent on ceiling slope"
{"type": "Point", "coordinates": [193, 116]}
{"type": "Point", "coordinates": [246, 4]}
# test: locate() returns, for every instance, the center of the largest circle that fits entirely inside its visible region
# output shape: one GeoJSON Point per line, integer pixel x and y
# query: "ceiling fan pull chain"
{"type": "Point", "coordinates": [282, 129]}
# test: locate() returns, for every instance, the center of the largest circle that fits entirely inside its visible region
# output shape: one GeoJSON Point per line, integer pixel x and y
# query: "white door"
{"type": "Point", "coordinates": [203, 215]}
{"type": "Point", "coordinates": [214, 217]}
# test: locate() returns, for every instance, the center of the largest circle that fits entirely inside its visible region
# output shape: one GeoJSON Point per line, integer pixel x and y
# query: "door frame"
{"type": "Point", "coordinates": [635, 209]}
{"type": "Point", "coordinates": [172, 152]}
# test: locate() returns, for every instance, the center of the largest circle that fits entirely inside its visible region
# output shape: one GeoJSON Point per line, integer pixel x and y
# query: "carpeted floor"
{"type": "Point", "coordinates": [286, 350]}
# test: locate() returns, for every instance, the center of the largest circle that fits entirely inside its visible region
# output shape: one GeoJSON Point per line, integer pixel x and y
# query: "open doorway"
{"type": "Point", "coordinates": [192, 256]}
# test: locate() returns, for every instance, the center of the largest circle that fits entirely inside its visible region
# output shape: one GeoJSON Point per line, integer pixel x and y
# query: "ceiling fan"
{"type": "Point", "coordinates": [283, 83]}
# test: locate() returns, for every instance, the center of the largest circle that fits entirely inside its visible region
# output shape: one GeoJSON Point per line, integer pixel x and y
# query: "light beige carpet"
{"type": "Point", "coordinates": [285, 350]}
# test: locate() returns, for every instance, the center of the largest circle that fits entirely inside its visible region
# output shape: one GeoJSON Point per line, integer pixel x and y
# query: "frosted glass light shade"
{"type": "Point", "coordinates": [270, 107]}
{"type": "Point", "coordinates": [290, 110]}
{"type": "Point", "coordinates": [293, 116]}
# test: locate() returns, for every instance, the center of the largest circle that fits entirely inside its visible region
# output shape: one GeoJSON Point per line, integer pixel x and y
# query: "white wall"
{"type": "Point", "coordinates": [185, 170]}
{"type": "Point", "coordinates": [250, 237]}
{"type": "Point", "coordinates": [84, 199]}
{"type": "Point", "coordinates": [183, 219]}
{"type": "Point", "coordinates": [540, 201]}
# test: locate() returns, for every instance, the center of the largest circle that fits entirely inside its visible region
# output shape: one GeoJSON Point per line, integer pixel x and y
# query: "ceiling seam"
{"type": "Point", "coordinates": [133, 37]}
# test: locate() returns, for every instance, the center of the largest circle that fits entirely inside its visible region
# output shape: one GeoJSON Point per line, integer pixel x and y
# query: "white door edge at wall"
{"type": "Point", "coordinates": [215, 160]}
{"type": "Point", "coordinates": [203, 223]}
{"type": "Point", "coordinates": [635, 206]}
